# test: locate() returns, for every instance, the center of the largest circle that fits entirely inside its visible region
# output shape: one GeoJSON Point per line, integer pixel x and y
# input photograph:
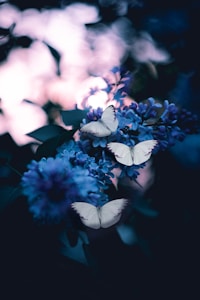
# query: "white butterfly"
{"type": "Point", "coordinates": [104, 126]}
{"type": "Point", "coordinates": [97, 217]}
{"type": "Point", "coordinates": [134, 155]}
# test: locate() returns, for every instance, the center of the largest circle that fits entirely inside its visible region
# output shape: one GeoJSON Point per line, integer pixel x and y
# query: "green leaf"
{"type": "Point", "coordinates": [73, 117]}
{"type": "Point", "coordinates": [47, 132]}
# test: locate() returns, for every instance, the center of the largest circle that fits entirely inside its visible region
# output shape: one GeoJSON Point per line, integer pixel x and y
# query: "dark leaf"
{"type": "Point", "coordinates": [4, 156]}
{"type": "Point", "coordinates": [8, 195]}
{"type": "Point", "coordinates": [54, 52]}
{"type": "Point", "coordinates": [144, 208]}
{"type": "Point", "coordinates": [73, 117]}
{"type": "Point", "coordinates": [75, 252]}
{"type": "Point", "coordinates": [72, 237]}
{"type": "Point", "coordinates": [23, 41]}
{"type": "Point", "coordinates": [49, 147]}
{"type": "Point", "coordinates": [47, 132]}
{"type": "Point", "coordinates": [89, 257]}
{"type": "Point", "coordinates": [56, 55]}
{"type": "Point", "coordinates": [127, 234]}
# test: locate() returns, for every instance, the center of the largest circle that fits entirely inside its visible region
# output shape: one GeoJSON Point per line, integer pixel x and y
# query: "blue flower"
{"type": "Point", "coordinates": [130, 172]}
{"type": "Point", "coordinates": [151, 111]}
{"type": "Point", "coordinates": [102, 142]}
{"type": "Point", "coordinates": [98, 166]}
{"type": "Point", "coordinates": [52, 184]}
{"type": "Point", "coordinates": [169, 116]}
{"type": "Point", "coordinates": [95, 114]}
{"type": "Point", "coordinates": [145, 133]}
{"type": "Point", "coordinates": [127, 117]}
{"type": "Point", "coordinates": [136, 123]}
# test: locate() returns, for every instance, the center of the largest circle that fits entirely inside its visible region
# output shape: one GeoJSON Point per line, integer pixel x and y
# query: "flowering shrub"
{"type": "Point", "coordinates": [80, 164]}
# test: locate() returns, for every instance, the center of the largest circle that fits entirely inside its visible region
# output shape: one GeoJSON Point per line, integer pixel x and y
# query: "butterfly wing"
{"type": "Point", "coordinates": [110, 213]}
{"type": "Point", "coordinates": [122, 153]}
{"type": "Point", "coordinates": [104, 126]}
{"type": "Point", "coordinates": [88, 213]}
{"type": "Point", "coordinates": [97, 128]}
{"type": "Point", "coordinates": [142, 151]}
{"type": "Point", "coordinates": [109, 118]}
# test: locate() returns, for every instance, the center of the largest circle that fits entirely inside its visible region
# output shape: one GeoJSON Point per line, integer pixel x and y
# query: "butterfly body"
{"type": "Point", "coordinates": [100, 217]}
{"type": "Point", "coordinates": [134, 155]}
{"type": "Point", "coordinates": [103, 127]}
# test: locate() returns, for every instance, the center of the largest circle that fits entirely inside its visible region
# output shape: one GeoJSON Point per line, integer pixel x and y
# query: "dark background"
{"type": "Point", "coordinates": [164, 264]}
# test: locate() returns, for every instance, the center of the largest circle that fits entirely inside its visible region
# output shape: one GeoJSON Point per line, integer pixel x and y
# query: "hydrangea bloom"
{"type": "Point", "coordinates": [52, 184]}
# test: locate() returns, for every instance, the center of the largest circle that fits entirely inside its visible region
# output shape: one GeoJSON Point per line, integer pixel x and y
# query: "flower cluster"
{"type": "Point", "coordinates": [100, 170]}
{"type": "Point", "coordinates": [52, 184]}
{"type": "Point", "coordinates": [103, 142]}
